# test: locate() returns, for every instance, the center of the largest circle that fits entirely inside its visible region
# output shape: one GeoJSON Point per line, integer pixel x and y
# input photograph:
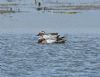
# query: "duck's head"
{"type": "Point", "coordinates": [41, 33]}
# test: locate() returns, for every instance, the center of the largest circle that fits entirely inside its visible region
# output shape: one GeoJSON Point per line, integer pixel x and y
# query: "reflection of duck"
{"type": "Point", "coordinates": [50, 38]}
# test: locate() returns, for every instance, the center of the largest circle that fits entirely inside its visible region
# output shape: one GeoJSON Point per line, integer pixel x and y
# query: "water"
{"type": "Point", "coordinates": [22, 56]}
{"type": "Point", "coordinates": [29, 20]}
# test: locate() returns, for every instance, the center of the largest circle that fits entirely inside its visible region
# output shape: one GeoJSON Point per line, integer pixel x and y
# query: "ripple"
{"type": "Point", "coordinates": [22, 56]}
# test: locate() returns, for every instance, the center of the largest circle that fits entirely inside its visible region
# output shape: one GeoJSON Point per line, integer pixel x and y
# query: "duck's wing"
{"type": "Point", "coordinates": [54, 33]}
{"type": "Point", "coordinates": [49, 36]}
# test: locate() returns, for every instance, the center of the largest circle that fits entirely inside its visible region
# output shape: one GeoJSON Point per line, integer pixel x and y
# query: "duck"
{"type": "Point", "coordinates": [50, 38]}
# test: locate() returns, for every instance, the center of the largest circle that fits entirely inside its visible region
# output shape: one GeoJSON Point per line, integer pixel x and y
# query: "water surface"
{"type": "Point", "coordinates": [27, 19]}
{"type": "Point", "coordinates": [22, 56]}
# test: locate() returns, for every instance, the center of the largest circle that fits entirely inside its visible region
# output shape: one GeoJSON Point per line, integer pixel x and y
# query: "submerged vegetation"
{"type": "Point", "coordinates": [6, 11]}
{"type": "Point", "coordinates": [59, 7]}
{"type": "Point", "coordinates": [13, 7]}
{"type": "Point", "coordinates": [9, 7]}
{"type": "Point", "coordinates": [66, 12]}
{"type": "Point", "coordinates": [83, 7]}
{"type": "Point", "coordinates": [71, 7]}
{"type": "Point", "coordinates": [72, 12]}
{"type": "Point", "coordinates": [8, 4]}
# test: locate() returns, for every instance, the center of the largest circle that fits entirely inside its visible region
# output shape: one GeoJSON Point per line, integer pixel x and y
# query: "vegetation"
{"type": "Point", "coordinates": [72, 12]}
{"type": "Point", "coordinates": [64, 12]}
{"type": "Point", "coordinates": [8, 4]}
{"type": "Point", "coordinates": [6, 11]}
{"type": "Point", "coordinates": [83, 7]}
{"type": "Point", "coordinates": [7, 7]}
